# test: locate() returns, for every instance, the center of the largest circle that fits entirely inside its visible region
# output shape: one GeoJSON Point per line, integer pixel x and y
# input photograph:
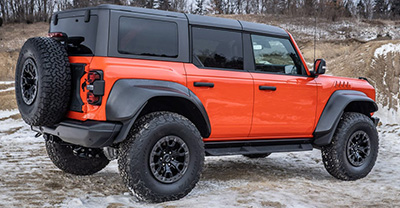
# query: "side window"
{"type": "Point", "coordinates": [217, 48]}
{"type": "Point", "coordinates": [147, 37]}
{"type": "Point", "coordinates": [275, 55]}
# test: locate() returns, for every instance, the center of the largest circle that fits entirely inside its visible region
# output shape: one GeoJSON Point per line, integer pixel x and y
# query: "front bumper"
{"type": "Point", "coordinates": [94, 134]}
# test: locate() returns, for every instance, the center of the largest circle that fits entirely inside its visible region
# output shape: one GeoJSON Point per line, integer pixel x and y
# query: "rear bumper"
{"type": "Point", "coordinates": [83, 133]}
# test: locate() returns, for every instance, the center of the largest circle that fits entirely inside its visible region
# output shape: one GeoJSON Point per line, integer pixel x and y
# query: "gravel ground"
{"type": "Point", "coordinates": [29, 179]}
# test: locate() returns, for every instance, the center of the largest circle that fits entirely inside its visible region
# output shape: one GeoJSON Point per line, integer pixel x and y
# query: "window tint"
{"type": "Point", "coordinates": [147, 37]}
{"type": "Point", "coordinates": [217, 48]}
{"type": "Point", "coordinates": [275, 55]}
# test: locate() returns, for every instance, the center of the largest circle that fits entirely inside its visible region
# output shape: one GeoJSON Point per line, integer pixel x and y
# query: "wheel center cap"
{"type": "Point", "coordinates": [167, 158]}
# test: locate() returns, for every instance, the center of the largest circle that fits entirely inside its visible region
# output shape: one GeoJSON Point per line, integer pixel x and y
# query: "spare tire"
{"type": "Point", "coordinates": [42, 81]}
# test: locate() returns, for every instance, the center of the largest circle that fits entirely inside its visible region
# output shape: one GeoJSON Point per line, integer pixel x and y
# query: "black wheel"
{"type": "Point", "coordinates": [1, 21]}
{"type": "Point", "coordinates": [354, 148]}
{"type": "Point", "coordinates": [75, 159]}
{"type": "Point", "coordinates": [42, 82]}
{"type": "Point", "coordinates": [162, 158]}
{"type": "Point", "coordinates": [254, 156]}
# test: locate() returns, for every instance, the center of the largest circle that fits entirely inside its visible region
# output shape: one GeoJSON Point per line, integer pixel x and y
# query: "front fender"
{"type": "Point", "coordinates": [333, 111]}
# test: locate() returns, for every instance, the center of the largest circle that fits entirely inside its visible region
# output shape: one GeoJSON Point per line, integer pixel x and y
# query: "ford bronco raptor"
{"type": "Point", "coordinates": [160, 90]}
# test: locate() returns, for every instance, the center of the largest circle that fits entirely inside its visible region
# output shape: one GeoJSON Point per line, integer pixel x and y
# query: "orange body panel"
{"type": "Point", "coordinates": [289, 110]}
{"type": "Point", "coordinates": [236, 108]}
{"type": "Point", "coordinates": [229, 103]}
{"type": "Point", "coordinates": [123, 68]}
{"type": "Point", "coordinates": [326, 85]}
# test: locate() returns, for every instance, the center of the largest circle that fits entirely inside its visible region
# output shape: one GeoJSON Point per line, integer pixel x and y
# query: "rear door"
{"type": "Point", "coordinates": [218, 78]}
{"type": "Point", "coordinates": [285, 97]}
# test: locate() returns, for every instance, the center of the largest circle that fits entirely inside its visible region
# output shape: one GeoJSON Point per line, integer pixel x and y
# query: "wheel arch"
{"type": "Point", "coordinates": [180, 106]}
{"type": "Point", "coordinates": [341, 101]}
{"type": "Point", "coordinates": [130, 99]}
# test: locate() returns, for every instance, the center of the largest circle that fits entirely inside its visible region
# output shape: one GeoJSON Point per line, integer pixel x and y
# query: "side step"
{"type": "Point", "coordinates": [257, 146]}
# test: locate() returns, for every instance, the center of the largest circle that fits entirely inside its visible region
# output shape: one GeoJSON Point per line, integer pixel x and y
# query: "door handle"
{"type": "Point", "coordinates": [203, 84]}
{"type": "Point", "coordinates": [272, 88]}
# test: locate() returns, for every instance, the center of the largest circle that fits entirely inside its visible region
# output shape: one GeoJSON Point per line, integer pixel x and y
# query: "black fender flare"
{"type": "Point", "coordinates": [334, 110]}
{"type": "Point", "coordinates": [128, 97]}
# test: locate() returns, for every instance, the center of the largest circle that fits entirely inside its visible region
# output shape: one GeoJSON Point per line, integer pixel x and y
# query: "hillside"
{"type": "Point", "coordinates": [303, 28]}
{"type": "Point", "coordinates": [298, 179]}
{"type": "Point", "coordinates": [348, 46]}
{"type": "Point", "coordinates": [12, 37]}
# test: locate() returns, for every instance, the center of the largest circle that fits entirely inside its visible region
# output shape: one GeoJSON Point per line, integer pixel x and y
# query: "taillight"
{"type": "Point", "coordinates": [91, 98]}
{"type": "Point", "coordinates": [95, 86]}
{"type": "Point", "coordinates": [58, 36]}
{"type": "Point", "coordinates": [92, 76]}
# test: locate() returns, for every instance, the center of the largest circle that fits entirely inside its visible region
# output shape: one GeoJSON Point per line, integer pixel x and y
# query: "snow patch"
{"type": "Point", "coordinates": [6, 82]}
{"type": "Point", "coordinates": [8, 113]}
{"type": "Point", "coordinates": [387, 48]}
{"type": "Point", "coordinates": [8, 89]}
{"type": "Point", "coordinates": [387, 116]}
{"type": "Point", "coordinates": [9, 124]}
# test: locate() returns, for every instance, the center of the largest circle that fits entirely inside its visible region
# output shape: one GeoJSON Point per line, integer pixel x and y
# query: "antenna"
{"type": "Point", "coordinates": [315, 34]}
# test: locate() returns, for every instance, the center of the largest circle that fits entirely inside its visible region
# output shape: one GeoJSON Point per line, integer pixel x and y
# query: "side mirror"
{"type": "Point", "coordinates": [320, 66]}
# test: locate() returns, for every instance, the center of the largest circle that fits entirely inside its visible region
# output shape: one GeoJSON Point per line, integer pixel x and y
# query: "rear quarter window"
{"type": "Point", "coordinates": [147, 37]}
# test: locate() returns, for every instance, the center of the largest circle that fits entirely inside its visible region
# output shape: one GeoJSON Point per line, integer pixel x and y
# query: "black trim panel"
{"type": "Point", "coordinates": [333, 111]}
{"type": "Point", "coordinates": [129, 96]}
{"type": "Point", "coordinates": [257, 146]}
{"type": "Point", "coordinates": [77, 71]}
{"type": "Point", "coordinates": [94, 134]}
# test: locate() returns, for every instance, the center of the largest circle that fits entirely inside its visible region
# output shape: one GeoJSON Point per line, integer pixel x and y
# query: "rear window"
{"type": "Point", "coordinates": [147, 37]}
{"type": "Point", "coordinates": [81, 35]}
{"type": "Point", "coordinates": [217, 48]}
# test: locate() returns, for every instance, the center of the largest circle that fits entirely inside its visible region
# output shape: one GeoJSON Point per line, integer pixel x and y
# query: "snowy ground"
{"type": "Point", "coordinates": [29, 179]}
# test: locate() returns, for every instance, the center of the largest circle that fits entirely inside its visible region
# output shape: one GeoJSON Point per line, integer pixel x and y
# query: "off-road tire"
{"type": "Point", "coordinates": [62, 155]}
{"type": "Point", "coordinates": [53, 90]}
{"type": "Point", "coordinates": [335, 156]}
{"type": "Point", "coordinates": [135, 152]}
{"type": "Point", "coordinates": [255, 156]}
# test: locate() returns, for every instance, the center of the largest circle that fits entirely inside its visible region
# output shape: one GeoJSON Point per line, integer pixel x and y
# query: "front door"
{"type": "Point", "coordinates": [285, 97]}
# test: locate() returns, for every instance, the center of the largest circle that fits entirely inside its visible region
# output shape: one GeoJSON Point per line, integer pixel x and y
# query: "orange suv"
{"type": "Point", "coordinates": [161, 90]}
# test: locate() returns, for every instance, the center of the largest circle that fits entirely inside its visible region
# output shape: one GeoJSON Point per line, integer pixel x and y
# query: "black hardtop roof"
{"type": "Point", "coordinates": [197, 19]}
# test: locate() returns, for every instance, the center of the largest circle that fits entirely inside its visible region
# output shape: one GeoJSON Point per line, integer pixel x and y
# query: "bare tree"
{"type": "Point", "coordinates": [199, 7]}
{"type": "Point", "coordinates": [179, 5]}
{"type": "Point", "coordinates": [216, 6]}
{"type": "Point", "coordinates": [369, 8]}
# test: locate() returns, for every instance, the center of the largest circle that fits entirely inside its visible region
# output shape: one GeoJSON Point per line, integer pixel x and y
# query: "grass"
{"type": "Point", "coordinates": [12, 37]}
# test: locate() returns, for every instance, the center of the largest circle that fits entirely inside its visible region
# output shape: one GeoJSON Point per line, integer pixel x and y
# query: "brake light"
{"type": "Point", "coordinates": [92, 76]}
{"type": "Point", "coordinates": [91, 98]}
{"type": "Point", "coordinates": [59, 36]}
{"type": "Point", "coordinates": [95, 86]}
{"type": "Point", "coordinates": [56, 34]}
